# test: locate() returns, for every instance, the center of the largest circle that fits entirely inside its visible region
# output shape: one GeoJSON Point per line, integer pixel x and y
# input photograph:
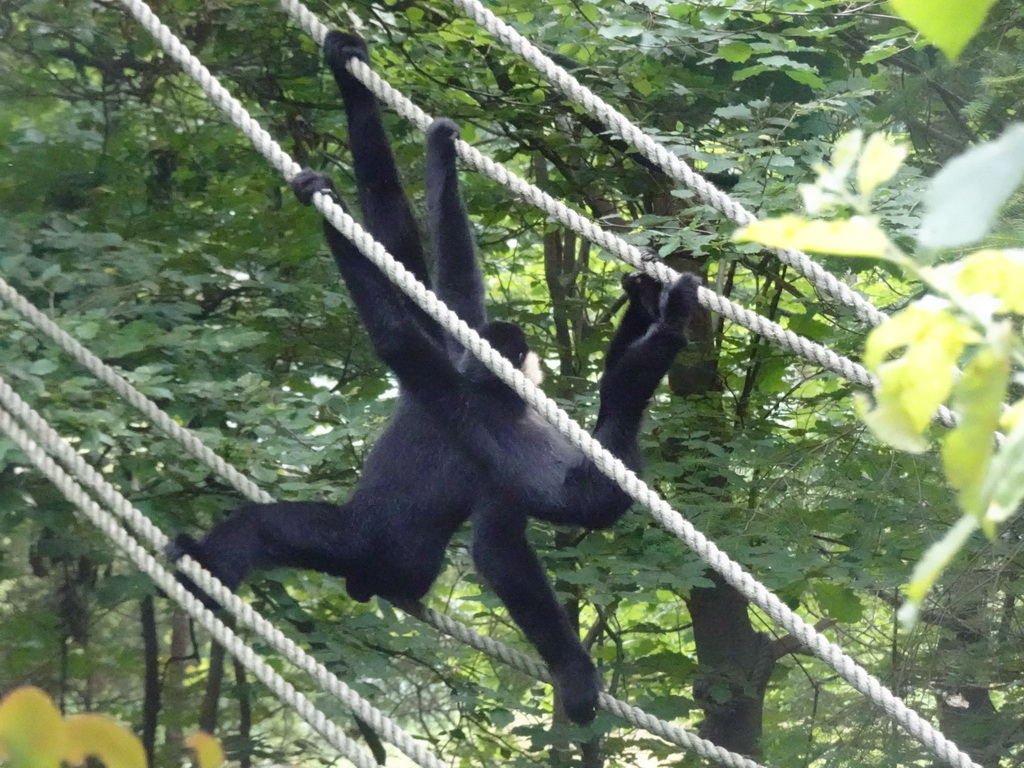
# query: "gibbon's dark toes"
{"type": "Point", "coordinates": [578, 687]}
{"type": "Point", "coordinates": [308, 182]}
{"type": "Point", "coordinates": [679, 302]}
{"type": "Point", "coordinates": [339, 47]}
{"type": "Point", "coordinates": [443, 132]}
{"type": "Point", "coordinates": [643, 290]}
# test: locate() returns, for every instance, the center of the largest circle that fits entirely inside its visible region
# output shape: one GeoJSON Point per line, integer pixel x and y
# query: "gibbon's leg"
{"type": "Point", "coordinates": [459, 282]}
{"type": "Point", "coordinates": [321, 537]}
{"type": "Point", "coordinates": [504, 559]}
{"type": "Point", "coordinates": [382, 200]}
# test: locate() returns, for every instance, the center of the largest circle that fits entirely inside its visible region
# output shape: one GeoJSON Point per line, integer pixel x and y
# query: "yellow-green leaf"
{"type": "Point", "coordinates": [859, 236]}
{"type": "Point", "coordinates": [934, 562]}
{"type": "Point", "coordinates": [967, 449]}
{"type": "Point", "coordinates": [207, 749]}
{"type": "Point", "coordinates": [735, 52]}
{"type": "Point", "coordinates": [590, 11]}
{"type": "Point", "coordinates": [31, 730]}
{"type": "Point", "coordinates": [1004, 489]}
{"type": "Point", "coordinates": [879, 162]}
{"type": "Point", "coordinates": [996, 273]}
{"type": "Point", "coordinates": [912, 385]}
{"type": "Point", "coordinates": [947, 24]}
{"type": "Point", "coordinates": [102, 737]}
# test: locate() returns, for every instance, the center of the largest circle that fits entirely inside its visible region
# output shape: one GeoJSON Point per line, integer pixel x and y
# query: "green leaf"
{"type": "Point", "coordinates": [859, 236]}
{"type": "Point", "coordinates": [839, 602]}
{"type": "Point", "coordinates": [968, 448]}
{"type": "Point", "coordinates": [879, 162]}
{"type": "Point", "coordinates": [965, 196]}
{"type": "Point", "coordinates": [947, 24]}
{"type": "Point", "coordinates": [735, 52]}
{"type": "Point", "coordinates": [590, 11]}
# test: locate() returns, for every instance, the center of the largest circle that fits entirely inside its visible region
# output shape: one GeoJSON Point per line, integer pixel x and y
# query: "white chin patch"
{"type": "Point", "coordinates": [531, 368]}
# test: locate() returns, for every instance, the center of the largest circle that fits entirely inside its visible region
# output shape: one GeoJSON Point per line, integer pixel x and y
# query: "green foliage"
{"type": "Point", "coordinates": [134, 214]}
{"type": "Point", "coordinates": [970, 317]}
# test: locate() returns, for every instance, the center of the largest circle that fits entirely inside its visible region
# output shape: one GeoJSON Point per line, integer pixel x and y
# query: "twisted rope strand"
{"type": "Point", "coordinates": [109, 525]}
{"type": "Point", "coordinates": [671, 164]}
{"type": "Point", "coordinates": [57, 447]}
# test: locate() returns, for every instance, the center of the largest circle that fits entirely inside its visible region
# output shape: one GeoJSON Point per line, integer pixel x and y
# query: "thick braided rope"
{"type": "Point", "coordinates": [57, 447]}
{"type": "Point", "coordinates": [151, 410]}
{"type": "Point", "coordinates": [668, 162]}
{"type": "Point", "coordinates": [534, 195]}
{"type": "Point", "coordinates": [109, 525]}
{"type": "Point", "coordinates": [603, 459]}
{"type": "Point", "coordinates": [244, 612]}
{"type": "Point", "coordinates": [668, 731]}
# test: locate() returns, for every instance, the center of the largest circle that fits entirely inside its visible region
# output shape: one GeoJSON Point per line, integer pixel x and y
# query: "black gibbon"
{"type": "Point", "coordinates": [461, 445]}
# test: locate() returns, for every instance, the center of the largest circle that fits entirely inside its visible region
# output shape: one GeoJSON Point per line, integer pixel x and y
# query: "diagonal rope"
{"type": "Point", "coordinates": [534, 195]}
{"type": "Point", "coordinates": [671, 164]}
{"type": "Point", "coordinates": [731, 571]}
{"type": "Point", "coordinates": [109, 525]}
{"type": "Point", "coordinates": [57, 447]}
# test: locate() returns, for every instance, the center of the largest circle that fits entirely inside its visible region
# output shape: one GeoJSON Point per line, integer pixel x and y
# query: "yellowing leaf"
{"type": "Point", "coordinates": [859, 236]}
{"type": "Point", "coordinates": [914, 384]}
{"type": "Point", "coordinates": [207, 750]}
{"type": "Point", "coordinates": [102, 737]}
{"type": "Point", "coordinates": [879, 162]}
{"type": "Point", "coordinates": [947, 24]}
{"type": "Point", "coordinates": [996, 273]}
{"type": "Point", "coordinates": [31, 729]}
{"type": "Point", "coordinates": [1013, 416]}
{"type": "Point", "coordinates": [967, 449]}
{"type": "Point", "coordinates": [1004, 489]}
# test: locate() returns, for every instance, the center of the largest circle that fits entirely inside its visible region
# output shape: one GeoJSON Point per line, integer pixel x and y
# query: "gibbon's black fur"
{"type": "Point", "coordinates": [461, 445]}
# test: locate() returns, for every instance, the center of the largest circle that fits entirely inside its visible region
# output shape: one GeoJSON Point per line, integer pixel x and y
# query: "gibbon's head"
{"type": "Point", "coordinates": [510, 341]}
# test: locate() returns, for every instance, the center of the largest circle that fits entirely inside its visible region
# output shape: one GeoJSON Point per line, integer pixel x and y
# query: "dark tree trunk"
{"type": "Point", "coordinates": [734, 665]}
{"type": "Point", "coordinates": [151, 684]}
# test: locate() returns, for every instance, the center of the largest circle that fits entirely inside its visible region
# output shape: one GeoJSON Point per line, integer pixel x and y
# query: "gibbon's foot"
{"type": "Point", "coordinates": [339, 47]}
{"type": "Point", "coordinates": [578, 686]}
{"type": "Point", "coordinates": [441, 136]}
{"type": "Point", "coordinates": [308, 182]}
{"type": "Point", "coordinates": [182, 545]}
{"type": "Point", "coordinates": [679, 302]}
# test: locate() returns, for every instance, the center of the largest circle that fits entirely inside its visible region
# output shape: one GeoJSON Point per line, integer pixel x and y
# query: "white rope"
{"type": "Point", "coordinates": [57, 447]}
{"type": "Point", "coordinates": [108, 524]}
{"type": "Point", "coordinates": [675, 167]}
{"type": "Point", "coordinates": [668, 731]}
{"type": "Point", "coordinates": [147, 407]}
{"type": "Point", "coordinates": [534, 195]}
{"type": "Point", "coordinates": [603, 459]}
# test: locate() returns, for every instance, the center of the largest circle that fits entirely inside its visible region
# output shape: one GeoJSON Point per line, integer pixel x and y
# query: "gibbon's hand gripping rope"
{"type": "Point", "coordinates": [60, 449]}
{"type": "Point", "coordinates": [731, 571]}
